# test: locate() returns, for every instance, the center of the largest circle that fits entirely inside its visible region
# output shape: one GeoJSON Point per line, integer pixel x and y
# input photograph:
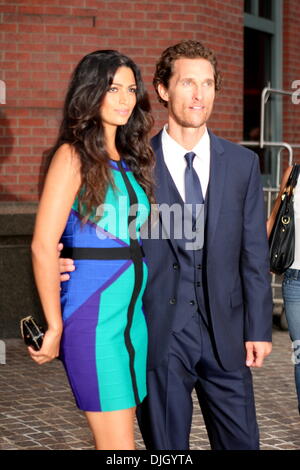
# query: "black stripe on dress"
{"type": "Point", "coordinates": [136, 256]}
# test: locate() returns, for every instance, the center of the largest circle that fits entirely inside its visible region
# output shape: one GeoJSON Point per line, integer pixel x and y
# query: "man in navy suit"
{"type": "Point", "coordinates": [208, 310]}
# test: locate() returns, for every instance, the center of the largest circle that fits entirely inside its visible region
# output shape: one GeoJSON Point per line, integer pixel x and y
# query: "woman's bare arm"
{"type": "Point", "coordinates": [61, 186]}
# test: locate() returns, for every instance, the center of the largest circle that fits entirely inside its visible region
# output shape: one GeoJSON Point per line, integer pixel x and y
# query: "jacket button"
{"type": "Point", "coordinates": [172, 301]}
{"type": "Point", "coordinates": [198, 284]}
{"type": "Point", "coordinates": [176, 266]}
{"type": "Point", "coordinates": [192, 302]}
{"type": "Point", "coordinates": [199, 266]}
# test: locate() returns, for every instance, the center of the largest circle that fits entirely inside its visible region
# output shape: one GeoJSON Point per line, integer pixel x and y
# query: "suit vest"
{"type": "Point", "coordinates": [192, 263]}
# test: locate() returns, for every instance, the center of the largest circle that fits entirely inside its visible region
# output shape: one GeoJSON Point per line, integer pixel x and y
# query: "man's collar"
{"type": "Point", "coordinates": [201, 145]}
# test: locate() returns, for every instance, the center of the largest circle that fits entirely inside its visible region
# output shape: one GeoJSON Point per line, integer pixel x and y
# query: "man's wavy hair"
{"type": "Point", "coordinates": [185, 49]}
{"type": "Point", "coordinates": [82, 128]}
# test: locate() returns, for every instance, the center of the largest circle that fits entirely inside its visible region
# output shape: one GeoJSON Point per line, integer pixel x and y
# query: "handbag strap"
{"type": "Point", "coordinates": [291, 182]}
{"type": "Point", "coordinates": [293, 178]}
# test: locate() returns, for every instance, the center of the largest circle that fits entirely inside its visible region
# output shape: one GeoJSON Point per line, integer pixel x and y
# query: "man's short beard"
{"type": "Point", "coordinates": [188, 124]}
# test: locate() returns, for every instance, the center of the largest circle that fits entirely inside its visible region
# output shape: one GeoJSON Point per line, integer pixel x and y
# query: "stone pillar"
{"type": "Point", "coordinates": [18, 295]}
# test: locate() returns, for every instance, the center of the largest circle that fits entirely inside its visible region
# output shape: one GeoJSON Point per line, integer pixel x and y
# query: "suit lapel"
{"type": "Point", "coordinates": [161, 189]}
{"type": "Point", "coordinates": [217, 178]}
{"type": "Point", "coordinates": [162, 192]}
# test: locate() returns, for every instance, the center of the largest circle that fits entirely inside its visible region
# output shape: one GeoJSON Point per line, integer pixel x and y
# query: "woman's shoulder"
{"type": "Point", "coordinates": [65, 168]}
{"type": "Point", "coordinates": [67, 155]}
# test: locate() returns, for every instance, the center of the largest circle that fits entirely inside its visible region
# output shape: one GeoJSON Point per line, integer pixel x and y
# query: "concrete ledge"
{"type": "Point", "coordinates": [18, 295]}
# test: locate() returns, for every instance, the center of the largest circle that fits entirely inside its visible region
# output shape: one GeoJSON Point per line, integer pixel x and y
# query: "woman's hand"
{"type": "Point", "coordinates": [50, 347]}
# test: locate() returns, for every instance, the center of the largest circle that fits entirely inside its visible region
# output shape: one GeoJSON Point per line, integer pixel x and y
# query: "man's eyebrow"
{"type": "Point", "coordinates": [184, 78]}
{"type": "Point", "coordinates": [195, 78]}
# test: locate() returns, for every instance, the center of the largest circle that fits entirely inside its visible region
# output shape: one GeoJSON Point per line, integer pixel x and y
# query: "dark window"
{"type": "Point", "coordinates": [257, 75]}
{"type": "Point", "coordinates": [248, 6]}
{"type": "Point", "coordinates": [265, 9]}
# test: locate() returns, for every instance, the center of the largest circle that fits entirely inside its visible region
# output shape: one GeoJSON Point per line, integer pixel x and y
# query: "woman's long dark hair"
{"type": "Point", "coordinates": [82, 127]}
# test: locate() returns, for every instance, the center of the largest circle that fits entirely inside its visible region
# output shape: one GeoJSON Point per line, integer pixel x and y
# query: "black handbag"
{"type": "Point", "coordinates": [282, 238]}
{"type": "Point", "coordinates": [32, 333]}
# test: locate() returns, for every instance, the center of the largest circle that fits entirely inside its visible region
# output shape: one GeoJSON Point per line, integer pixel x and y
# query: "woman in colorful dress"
{"type": "Point", "coordinates": [97, 194]}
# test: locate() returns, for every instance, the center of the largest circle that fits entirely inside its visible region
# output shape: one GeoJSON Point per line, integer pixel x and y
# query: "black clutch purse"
{"type": "Point", "coordinates": [282, 238]}
{"type": "Point", "coordinates": [32, 333]}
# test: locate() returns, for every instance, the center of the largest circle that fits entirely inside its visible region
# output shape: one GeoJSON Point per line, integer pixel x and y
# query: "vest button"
{"type": "Point", "coordinates": [199, 266]}
{"type": "Point", "coordinates": [198, 284]}
{"type": "Point", "coordinates": [172, 301]}
{"type": "Point", "coordinates": [192, 302]}
{"type": "Point", "coordinates": [176, 266]}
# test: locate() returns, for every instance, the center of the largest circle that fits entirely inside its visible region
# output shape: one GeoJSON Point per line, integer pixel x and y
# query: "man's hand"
{"type": "Point", "coordinates": [256, 352]}
{"type": "Point", "coordinates": [65, 265]}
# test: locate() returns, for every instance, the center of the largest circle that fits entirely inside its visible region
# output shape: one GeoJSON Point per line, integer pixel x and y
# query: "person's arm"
{"type": "Point", "coordinates": [254, 268]}
{"type": "Point", "coordinates": [61, 186]}
{"type": "Point", "coordinates": [272, 217]}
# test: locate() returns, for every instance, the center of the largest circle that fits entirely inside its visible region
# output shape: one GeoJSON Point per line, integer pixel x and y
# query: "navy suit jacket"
{"type": "Point", "coordinates": [236, 264]}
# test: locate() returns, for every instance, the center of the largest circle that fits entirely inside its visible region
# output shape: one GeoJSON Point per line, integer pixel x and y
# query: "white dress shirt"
{"type": "Point", "coordinates": [176, 163]}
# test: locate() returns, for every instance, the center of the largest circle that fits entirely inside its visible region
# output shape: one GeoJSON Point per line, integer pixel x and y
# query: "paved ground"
{"type": "Point", "coordinates": [37, 410]}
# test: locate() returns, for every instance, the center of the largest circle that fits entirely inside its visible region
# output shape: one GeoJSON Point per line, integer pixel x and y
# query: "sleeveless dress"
{"type": "Point", "coordinates": [104, 340]}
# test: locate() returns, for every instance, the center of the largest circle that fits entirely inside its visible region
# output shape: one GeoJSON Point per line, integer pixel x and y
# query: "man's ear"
{"type": "Point", "coordinates": [163, 92]}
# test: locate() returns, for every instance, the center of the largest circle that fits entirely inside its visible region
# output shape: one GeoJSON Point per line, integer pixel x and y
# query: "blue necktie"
{"type": "Point", "coordinates": [193, 191]}
{"type": "Point", "coordinates": [194, 196]}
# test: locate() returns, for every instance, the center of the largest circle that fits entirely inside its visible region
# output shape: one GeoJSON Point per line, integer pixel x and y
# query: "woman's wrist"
{"type": "Point", "coordinates": [55, 329]}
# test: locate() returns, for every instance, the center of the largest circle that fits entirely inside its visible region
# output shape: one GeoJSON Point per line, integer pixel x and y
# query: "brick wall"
{"type": "Point", "coordinates": [291, 72]}
{"type": "Point", "coordinates": [41, 41]}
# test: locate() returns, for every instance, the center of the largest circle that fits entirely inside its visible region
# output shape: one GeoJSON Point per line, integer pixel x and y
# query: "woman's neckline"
{"type": "Point", "coordinates": [116, 164]}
